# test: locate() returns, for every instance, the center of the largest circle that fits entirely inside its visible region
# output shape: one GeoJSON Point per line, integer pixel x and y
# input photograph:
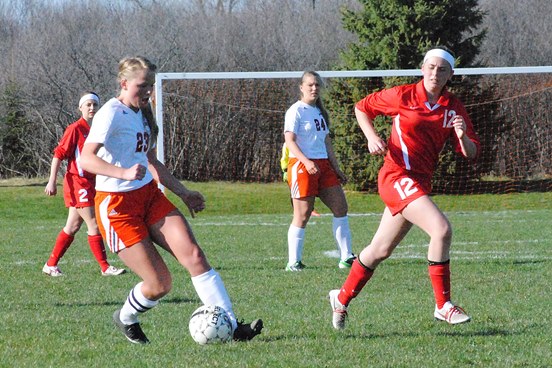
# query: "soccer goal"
{"type": "Point", "coordinates": [229, 126]}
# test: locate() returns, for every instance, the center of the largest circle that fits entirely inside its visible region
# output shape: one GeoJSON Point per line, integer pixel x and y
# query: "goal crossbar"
{"type": "Point", "coordinates": [160, 77]}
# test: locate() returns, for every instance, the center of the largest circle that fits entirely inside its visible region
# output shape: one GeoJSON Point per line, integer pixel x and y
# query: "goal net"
{"type": "Point", "coordinates": [229, 126]}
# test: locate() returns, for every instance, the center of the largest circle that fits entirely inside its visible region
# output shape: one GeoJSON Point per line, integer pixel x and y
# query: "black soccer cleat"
{"type": "Point", "coordinates": [245, 332]}
{"type": "Point", "coordinates": [132, 332]}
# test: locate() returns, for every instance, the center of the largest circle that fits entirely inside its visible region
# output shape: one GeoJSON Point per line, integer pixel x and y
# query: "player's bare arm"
{"type": "Point", "coordinates": [95, 165]}
{"type": "Point", "coordinates": [469, 149]}
{"type": "Point", "coordinates": [51, 186]}
{"type": "Point", "coordinates": [294, 148]}
{"type": "Point", "coordinates": [376, 145]}
{"type": "Point", "coordinates": [192, 199]}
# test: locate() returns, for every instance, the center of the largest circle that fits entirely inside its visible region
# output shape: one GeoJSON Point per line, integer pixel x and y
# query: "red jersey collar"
{"type": "Point", "coordinates": [81, 121]}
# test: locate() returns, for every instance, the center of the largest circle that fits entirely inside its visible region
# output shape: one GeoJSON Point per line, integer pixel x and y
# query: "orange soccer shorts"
{"type": "Point", "coordinates": [78, 191]}
{"type": "Point", "coordinates": [398, 188]}
{"type": "Point", "coordinates": [302, 184]}
{"type": "Point", "coordinates": [124, 217]}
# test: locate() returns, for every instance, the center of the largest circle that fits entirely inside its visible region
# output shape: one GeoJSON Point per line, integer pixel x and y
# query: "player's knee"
{"type": "Point", "coordinates": [72, 229]}
{"type": "Point", "coordinates": [160, 288]}
{"type": "Point", "coordinates": [196, 261]}
{"type": "Point", "coordinates": [340, 209]}
{"type": "Point", "coordinates": [380, 253]}
{"type": "Point", "coordinates": [443, 232]}
{"type": "Point", "coordinates": [92, 228]}
{"type": "Point", "coordinates": [197, 255]}
{"type": "Point", "coordinates": [165, 289]}
{"type": "Point", "coordinates": [302, 222]}
{"type": "Point", "coordinates": [340, 213]}
{"type": "Point", "coordinates": [301, 219]}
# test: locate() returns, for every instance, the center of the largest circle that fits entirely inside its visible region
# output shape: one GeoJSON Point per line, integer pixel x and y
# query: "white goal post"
{"type": "Point", "coordinates": [161, 77]}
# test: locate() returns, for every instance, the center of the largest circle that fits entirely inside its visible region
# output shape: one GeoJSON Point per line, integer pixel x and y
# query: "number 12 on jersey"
{"type": "Point", "coordinates": [405, 187]}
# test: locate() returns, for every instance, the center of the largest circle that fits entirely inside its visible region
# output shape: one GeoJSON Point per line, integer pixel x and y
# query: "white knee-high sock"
{"type": "Point", "coordinates": [296, 239]}
{"type": "Point", "coordinates": [342, 235]}
{"type": "Point", "coordinates": [211, 290]}
{"type": "Point", "coordinates": [135, 304]}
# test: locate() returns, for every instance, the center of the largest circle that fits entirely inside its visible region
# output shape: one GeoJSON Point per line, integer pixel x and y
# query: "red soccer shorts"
{"type": "Point", "coordinates": [78, 191]}
{"type": "Point", "coordinates": [302, 184]}
{"type": "Point", "coordinates": [124, 217]}
{"type": "Point", "coordinates": [397, 188]}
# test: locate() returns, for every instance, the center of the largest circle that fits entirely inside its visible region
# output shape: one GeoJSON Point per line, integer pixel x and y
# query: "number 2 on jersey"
{"type": "Point", "coordinates": [405, 187]}
{"type": "Point", "coordinates": [83, 195]}
{"type": "Point", "coordinates": [448, 118]}
{"type": "Point", "coordinates": [320, 124]}
{"type": "Point", "coordinates": [142, 142]}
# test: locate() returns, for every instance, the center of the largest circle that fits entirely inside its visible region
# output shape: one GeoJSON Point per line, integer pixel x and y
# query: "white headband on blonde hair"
{"type": "Point", "coordinates": [442, 54]}
{"type": "Point", "coordinates": [89, 96]}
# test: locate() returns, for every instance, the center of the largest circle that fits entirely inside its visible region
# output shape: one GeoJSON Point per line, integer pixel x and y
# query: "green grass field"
{"type": "Point", "coordinates": [501, 272]}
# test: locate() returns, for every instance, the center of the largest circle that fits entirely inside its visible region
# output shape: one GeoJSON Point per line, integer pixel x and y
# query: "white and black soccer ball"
{"type": "Point", "coordinates": [210, 324]}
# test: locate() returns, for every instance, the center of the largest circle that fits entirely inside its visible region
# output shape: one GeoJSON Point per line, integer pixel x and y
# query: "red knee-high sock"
{"type": "Point", "coordinates": [63, 242]}
{"type": "Point", "coordinates": [98, 249]}
{"type": "Point", "coordinates": [358, 277]}
{"type": "Point", "coordinates": [439, 274]}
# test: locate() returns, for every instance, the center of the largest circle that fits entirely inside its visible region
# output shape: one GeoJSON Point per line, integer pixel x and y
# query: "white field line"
{"type": "Point", "coordinates": [285, 219]}
{"type": "Point", "coordinates": [400, 253]}
{"type": "Point", "coordinates": [460, 255]}
{"type": "Point", "coordinates": [77, 261]}
{"type": "Point", "coordinates": [455, 254]}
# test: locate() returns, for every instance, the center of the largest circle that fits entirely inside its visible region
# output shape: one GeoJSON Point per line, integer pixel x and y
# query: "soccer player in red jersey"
{"type": "Point", "coordinates": [78, 192]}
{"type": "Point", "coordinates": [425, 115]}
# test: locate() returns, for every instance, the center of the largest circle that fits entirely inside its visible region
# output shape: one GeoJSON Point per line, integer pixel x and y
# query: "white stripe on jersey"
{"type": "Point", "coordinates": [403, 146]}
{"type": "Point", "coordinates": [77, 162]}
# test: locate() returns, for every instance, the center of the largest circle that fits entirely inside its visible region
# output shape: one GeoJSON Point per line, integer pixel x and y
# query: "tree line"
{"type": "Point", "coordinates": [53, 52]}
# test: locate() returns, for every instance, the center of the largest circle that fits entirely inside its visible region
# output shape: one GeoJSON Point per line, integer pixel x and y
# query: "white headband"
{"type": "Point", "coordinates": [442, 54]}
{"type": "Point", "coordinates": [87, 97]}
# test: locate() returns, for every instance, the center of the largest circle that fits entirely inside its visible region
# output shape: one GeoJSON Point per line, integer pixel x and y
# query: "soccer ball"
{"type": "Point", "coordinates": [210, 324]}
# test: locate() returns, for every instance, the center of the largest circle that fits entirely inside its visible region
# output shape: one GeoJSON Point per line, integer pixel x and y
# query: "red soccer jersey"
{"type": "Point", "coordinates": [70, 147]}
{"type": "Point", "coordinates": [420, 130]}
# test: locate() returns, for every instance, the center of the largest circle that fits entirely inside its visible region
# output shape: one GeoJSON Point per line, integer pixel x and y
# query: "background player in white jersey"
{"type": "Point", "coordinates": [313, 171]}
{"type": "Point", "coordinates": [133, 212]}
{"type": "Point", "coordinates": [78, 191]}
{"type": "Point", "coordinates": [425, 115]}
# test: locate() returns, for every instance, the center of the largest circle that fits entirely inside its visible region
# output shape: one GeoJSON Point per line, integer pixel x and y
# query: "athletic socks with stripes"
{"type": "Point", "coordinates": [135, 304]}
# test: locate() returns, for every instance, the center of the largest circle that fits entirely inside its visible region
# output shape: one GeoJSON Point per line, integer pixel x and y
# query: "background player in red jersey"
{"type": "Point", "coordinates": [78, 191]}
{"type": "Point", "coordinates": [425, 115]}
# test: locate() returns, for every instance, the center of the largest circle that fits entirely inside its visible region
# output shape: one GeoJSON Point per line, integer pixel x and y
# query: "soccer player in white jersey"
{"type": "Point", "coordinates": [425, 115]}
{"type": "Point", "coordinates": [133, 213]}
{"type": "Point", "coordinates": [78, 192]}
{"type": "Point", "coordinates": [313, 171]}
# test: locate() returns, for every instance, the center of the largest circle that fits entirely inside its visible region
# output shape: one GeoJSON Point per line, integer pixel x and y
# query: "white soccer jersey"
{"type": "Point", "coordinates": [310, 128]}
{"type": "Point", "coordinates": [125, 136]}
